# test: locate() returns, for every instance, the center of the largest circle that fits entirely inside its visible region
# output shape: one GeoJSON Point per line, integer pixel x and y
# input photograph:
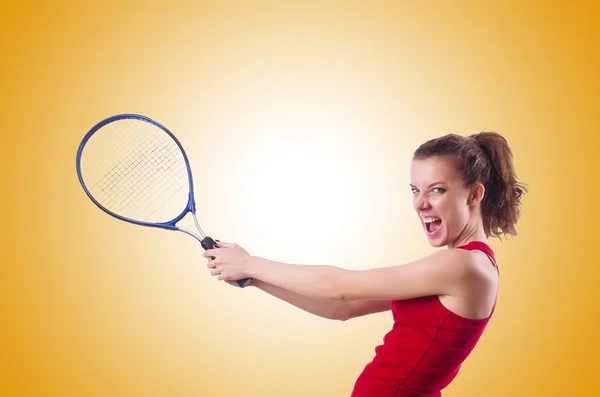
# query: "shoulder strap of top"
{"type": "Point", "coordinates": [480, 245]}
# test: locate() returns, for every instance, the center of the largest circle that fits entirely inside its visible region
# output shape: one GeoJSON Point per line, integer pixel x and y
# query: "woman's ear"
{"type": "Point", "coordinates": [477, 194]}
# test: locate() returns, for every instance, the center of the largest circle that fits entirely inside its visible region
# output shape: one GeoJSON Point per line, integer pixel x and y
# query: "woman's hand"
{"type": "Point", "coordinates": [231, 262]}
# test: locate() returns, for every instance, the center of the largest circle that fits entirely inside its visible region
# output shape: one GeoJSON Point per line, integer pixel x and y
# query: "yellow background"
{"type": "Point", "coordinates": [299, 119]}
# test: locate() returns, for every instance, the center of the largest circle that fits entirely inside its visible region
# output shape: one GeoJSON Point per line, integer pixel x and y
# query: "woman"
{"type": "Point", "coordinates": [464, 191]}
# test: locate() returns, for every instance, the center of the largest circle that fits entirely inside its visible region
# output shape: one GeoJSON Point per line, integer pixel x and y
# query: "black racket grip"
{"type": "Point", "coordinates": [209, 243]}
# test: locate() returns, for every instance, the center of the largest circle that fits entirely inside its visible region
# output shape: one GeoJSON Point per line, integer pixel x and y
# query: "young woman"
{"type": "Point", "coordinates": [464, 191]}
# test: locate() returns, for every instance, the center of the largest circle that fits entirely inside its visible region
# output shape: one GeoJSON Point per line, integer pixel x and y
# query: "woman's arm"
{"type": "Point", "coordinates": [445, 272]}
{"type": "Point", "coordinates": [326, 308]}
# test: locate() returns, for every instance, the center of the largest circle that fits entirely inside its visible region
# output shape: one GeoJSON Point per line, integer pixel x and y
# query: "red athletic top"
{"type": "Point", "coordinates": [424, 350]}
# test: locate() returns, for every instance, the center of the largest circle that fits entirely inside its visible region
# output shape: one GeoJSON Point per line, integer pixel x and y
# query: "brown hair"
{"type": "Point", "coordinates": [484, 158]}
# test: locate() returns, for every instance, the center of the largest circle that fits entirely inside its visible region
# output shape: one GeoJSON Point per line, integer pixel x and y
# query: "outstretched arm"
{"type": "Point", "coordinates": [442, 273]}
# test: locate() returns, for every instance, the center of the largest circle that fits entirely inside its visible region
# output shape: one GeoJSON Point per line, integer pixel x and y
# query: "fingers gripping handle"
{"type": "Point", "coordinates": [209, 243]}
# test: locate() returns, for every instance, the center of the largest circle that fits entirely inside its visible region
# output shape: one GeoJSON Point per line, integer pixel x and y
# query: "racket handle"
{"type": "Point", "coordinates": [209, 243]}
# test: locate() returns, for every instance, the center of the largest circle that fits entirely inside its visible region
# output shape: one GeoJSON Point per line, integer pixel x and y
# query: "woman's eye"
{"type": "Point", "coordinates": [439, 189]}
{"type": "Point", "coordinates": [414, 190]}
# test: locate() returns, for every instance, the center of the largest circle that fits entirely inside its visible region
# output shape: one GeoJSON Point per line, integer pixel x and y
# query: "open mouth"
{"type": "Point", "coordinates": [432, 224]}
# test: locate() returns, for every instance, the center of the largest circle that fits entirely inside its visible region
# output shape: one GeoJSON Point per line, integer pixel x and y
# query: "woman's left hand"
{"type": "Point", "coordinates": [231, 262]}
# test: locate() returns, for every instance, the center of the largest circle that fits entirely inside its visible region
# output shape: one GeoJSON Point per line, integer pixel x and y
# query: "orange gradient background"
{"type": "Point", "coordinates": [299, 119]}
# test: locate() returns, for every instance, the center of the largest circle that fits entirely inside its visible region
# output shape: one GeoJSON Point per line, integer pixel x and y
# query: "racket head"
{"type": "Point", "coordinates": [135, 169]}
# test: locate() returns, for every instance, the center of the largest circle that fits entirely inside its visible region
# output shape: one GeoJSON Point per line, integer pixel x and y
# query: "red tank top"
{"type": "Point", "coordinates": [424, 350]}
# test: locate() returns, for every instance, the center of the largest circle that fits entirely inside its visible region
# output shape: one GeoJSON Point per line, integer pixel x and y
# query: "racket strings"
{"type": "Point", "coordinates": [136, 170]}
{"type": "Point", "coordinates": [131, 184]}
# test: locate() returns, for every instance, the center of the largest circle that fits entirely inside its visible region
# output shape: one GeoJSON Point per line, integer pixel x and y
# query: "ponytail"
{"type": "Point", "coordinates": [501, 205]}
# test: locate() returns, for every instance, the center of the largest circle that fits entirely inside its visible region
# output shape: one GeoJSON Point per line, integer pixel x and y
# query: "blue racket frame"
{"type": "Point", "coordinates": [170, 225]}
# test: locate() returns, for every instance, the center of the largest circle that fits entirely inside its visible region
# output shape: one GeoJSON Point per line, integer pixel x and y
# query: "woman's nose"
{"type": "Point", "coordinates": [422, 203]}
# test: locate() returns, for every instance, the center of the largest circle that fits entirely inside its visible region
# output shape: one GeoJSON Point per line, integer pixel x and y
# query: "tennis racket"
{"type": "Point", "coordinates": [135, 170]}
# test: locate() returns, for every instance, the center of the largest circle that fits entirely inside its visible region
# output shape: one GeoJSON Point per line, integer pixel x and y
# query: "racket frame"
{"type": "Point", "coordinates": [189, 207]}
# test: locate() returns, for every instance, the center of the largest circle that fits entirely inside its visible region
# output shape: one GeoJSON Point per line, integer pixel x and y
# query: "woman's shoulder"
{"type": "Point", "coordinates": [475, 262]}
{"type": "Point", "coordinates": [479, 269]}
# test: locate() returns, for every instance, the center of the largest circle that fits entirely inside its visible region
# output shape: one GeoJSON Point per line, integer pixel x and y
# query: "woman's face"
{"type": "Point", "coordinates": [440, 199]}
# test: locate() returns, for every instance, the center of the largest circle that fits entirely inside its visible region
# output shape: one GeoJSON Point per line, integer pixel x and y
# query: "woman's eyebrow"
{"type": "Point", "coordinates": [431, 184]}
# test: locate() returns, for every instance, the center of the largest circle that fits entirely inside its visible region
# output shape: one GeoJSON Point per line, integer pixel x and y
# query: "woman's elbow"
{"type": "Point", "coordinates": [342, 312]}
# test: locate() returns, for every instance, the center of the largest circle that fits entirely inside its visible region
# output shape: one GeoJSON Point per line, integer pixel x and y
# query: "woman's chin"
{"type": "Point", "coordinates": [436, 243]}
{"type": "Point", "coordinates": [437, 239]}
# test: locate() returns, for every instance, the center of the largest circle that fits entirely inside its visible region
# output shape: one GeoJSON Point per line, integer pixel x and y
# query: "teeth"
{"type": "Point", "coordinates": [430, 219]}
